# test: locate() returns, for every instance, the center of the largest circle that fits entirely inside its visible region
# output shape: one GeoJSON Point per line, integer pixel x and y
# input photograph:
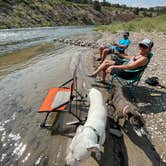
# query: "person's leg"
{"type": "Point", "coordinates": [103, 66]}
{"type": "Point", "coordinates": [104, 75]}
{"type": "Point", "coordinates": [111, 62]}
{"type": "Point", "coordinates": [104, 54]}
{"type": "Point", "coordinates": [101, 48]}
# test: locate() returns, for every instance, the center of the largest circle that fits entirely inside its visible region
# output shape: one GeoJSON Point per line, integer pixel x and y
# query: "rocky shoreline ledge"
{"type": "Point", "coordinates": [82, 43]}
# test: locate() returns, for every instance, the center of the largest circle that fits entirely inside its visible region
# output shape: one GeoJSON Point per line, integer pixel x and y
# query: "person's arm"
{"type": "Point", "coordinates": [121, 46]}
{"type": "Point", "coordinates": [138, 63]}
{"type": "Point", "coordinates": [124, 46]}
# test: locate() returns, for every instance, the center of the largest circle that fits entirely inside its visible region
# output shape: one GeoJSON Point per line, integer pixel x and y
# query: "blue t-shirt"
{"type": "Point", "coordinates": [124, 42]}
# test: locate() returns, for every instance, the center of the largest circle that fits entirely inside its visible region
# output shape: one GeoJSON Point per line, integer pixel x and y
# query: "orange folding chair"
{"type": "Point", "coordinates": [59, 99]}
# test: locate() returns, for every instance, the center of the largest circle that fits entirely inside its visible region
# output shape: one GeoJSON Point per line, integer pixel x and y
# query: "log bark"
{"type": "Point", "coordinates": [119, 101]}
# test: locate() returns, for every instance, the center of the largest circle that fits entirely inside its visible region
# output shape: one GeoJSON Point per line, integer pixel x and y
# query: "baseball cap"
{"type": "Point", "coordinates": [126, 34]}
{"type": "Point", "coordinates": [147, 42]}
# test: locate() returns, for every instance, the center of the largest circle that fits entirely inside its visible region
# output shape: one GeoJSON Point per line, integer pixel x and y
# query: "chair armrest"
{"type": "Point", "coordinates": [135, 70]}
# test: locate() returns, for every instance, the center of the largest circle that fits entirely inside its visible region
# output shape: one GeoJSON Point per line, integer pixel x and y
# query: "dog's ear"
{"type": "Point", "coordinates": [93, 148]}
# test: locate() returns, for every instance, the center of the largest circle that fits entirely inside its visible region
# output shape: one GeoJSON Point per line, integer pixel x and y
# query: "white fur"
{"type": "Point", "coordinates": [85, 139]}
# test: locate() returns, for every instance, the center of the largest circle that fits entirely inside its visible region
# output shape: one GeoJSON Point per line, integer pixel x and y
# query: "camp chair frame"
{"type": "Point", "coordinates": [67, 105]}
{"type": "Point", "coordinates": [131, 82]}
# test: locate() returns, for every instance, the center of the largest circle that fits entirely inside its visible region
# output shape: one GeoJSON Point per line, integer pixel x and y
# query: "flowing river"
{"type": "Point", "coordinates": [13, 39]}
{"type": "Point", "coordinates": [31, 63]}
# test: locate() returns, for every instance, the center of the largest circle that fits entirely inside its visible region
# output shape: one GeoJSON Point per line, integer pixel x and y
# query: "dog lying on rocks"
{"type": "Point", "coordinates": [135, 120]}
{"type": "Point", "coordinates": [89, 137]}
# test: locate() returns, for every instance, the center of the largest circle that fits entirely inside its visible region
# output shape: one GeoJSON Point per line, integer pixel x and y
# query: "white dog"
{"type": "Point", "coordinates": [89, 137]}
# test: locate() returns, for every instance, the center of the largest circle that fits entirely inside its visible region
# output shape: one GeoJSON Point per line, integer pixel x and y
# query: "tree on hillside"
{"type": "Point", "coordinates": [97, 5]}
{"type": "Point", "coordinates": [81, 1]}
{"type": "Point", "coordinates": [136, 11]}
{"type": "Point", "coordinates": [105, 3]}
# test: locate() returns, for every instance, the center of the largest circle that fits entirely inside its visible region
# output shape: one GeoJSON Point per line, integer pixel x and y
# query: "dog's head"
{"type": "Point", "coordinates": [78, 150]}
{"type": "Point", "coordinates": [134, 117]}
{"type": "Point", "coordinates": [95, 95]}
{"type": "Point", "coordinates": [137, 120]}
{"type": "Point", "coordinates": [80, 153]}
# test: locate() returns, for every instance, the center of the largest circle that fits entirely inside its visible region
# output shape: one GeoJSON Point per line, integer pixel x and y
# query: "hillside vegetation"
{"type": "Point", "coordinates": [35, 13]}
{"type": "Point", "coordinates": [145, 24]}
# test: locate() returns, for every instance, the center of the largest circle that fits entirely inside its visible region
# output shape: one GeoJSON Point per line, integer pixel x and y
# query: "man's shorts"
{"type": "Point", "coordinates": [110, 49]}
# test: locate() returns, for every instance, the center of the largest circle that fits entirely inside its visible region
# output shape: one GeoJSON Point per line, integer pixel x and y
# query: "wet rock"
{"type": "Point", "coordinates": [80, 43]}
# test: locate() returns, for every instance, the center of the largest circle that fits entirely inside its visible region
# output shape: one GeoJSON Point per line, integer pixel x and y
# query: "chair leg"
{"type": "Point", "coordinates": [58, 125]}
{"type": "Point", "coordinates": [133, 92]}
{"type": "Point", "coordinates": [111, 82]}
{"type": "Point", "coordinates": [42, 125]}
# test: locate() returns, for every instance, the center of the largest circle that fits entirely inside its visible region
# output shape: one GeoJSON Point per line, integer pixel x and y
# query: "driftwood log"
{"type": "Point", "coordinates": [119, 101]}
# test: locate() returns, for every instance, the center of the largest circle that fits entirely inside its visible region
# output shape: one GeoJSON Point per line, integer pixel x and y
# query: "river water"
{"type": "Point", "coordinates": [13, 39]}
{"type": "Point", "coordinates": [30, 64]}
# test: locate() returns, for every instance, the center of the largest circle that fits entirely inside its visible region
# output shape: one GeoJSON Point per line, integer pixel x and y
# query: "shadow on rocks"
{"type": "Point", "coordinates": [59, 125]}
{"type": "Point", "coordinates": [149, 100]}
{"type": "Point", "coordinates": [145, 144]}
{"type": "Point", "coordinates": [115, 152]}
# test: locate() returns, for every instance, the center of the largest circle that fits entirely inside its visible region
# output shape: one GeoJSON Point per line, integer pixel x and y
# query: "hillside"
{"type": "Point", "coordinates": [32, 13]}
{"type": "Point", "coordinates": [137, 25]}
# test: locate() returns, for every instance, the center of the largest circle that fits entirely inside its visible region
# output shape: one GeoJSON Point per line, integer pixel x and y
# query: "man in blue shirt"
{"type": "Point", "coordinates": [120, 47]}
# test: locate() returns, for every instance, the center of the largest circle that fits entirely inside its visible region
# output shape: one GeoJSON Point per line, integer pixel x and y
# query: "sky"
{"type": "Point", "coordinates": [140, 3]}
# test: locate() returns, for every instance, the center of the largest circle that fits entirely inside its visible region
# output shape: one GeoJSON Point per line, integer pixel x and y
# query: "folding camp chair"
{"type": "Point", "coordinates": [59, 99]}
{"type": "Point", "coordinates": [132, 82]}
